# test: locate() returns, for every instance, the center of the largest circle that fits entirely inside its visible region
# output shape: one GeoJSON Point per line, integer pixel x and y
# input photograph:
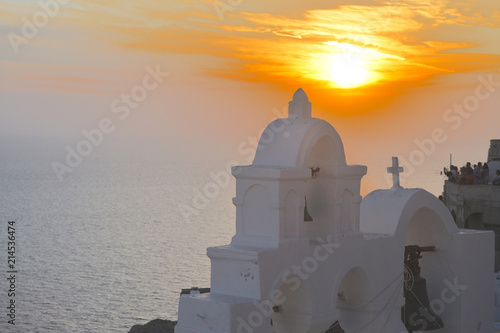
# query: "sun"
{"type": "Point", "coordinates": [347, 70]}
{"type": "Point", "coordinates": [351, 66]}
{"type": "Point", "coordinates": [347, 66]}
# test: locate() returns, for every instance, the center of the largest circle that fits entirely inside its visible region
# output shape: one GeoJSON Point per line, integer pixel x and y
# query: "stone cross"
{"type": "Point", "coordinates": [395, 170]}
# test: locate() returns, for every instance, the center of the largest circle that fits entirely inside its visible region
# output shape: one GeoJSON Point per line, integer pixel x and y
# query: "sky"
{"type": "Point", "coordinates": [412, 78]}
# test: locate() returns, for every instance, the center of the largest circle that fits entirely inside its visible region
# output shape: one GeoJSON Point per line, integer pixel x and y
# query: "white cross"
{"type": "Point", "coordinates": [395, 170]}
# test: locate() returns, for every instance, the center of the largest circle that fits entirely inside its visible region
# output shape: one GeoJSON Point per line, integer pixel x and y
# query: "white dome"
{"type": "Point", "coordinates": [288, 142]}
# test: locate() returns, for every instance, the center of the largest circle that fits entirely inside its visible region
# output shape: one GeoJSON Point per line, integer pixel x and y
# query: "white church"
{"type": "Point", "coordinates": [310, 255]}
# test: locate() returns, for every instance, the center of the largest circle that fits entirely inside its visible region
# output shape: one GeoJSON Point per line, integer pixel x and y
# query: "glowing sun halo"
{"type": "Point", "coordinates": [348, 70]}
{"type": "Point", "coordinates": [349, 66]}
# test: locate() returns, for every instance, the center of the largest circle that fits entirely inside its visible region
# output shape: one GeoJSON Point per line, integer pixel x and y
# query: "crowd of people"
{"type": "Point", "coordinates": [472, 175]}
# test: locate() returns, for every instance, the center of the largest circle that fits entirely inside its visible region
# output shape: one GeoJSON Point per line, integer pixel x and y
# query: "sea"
{"type": "Point", "coordinates": [110, 242]}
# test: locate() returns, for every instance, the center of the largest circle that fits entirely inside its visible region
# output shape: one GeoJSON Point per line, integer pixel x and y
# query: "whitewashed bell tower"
{"type": "Point", "coordinates": [298, 185]}
{"type": "Point", "coordinates": [307, 256]}
{"type": "Point", "coordinates": [299, 192]}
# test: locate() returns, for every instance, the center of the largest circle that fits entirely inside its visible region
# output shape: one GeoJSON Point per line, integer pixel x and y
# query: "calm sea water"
{"type": "Point", "coordinates": [107, 247]}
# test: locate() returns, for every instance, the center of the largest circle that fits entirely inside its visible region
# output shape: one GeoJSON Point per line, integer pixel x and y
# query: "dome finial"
{"type": "Point", "coordinates": [299, 107]}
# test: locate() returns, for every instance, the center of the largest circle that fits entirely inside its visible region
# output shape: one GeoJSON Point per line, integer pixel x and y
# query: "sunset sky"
{"type": "Point", "coordinates": [389, 75]}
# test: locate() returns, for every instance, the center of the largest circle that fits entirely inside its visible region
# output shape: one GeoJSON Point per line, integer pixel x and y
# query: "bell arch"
{"type": "Point", "coordinates": [319, 193]}
{"type": "Point", "coordinates": [428, 223]}
{"type": "Point", "coordinates": [420, 219]}
{"type": "Point", "coordinates": [351, 298]}
{"type": "Point", "coordinates": [407, 207]}
{"type": "Point", "coordinates": [426, 229]}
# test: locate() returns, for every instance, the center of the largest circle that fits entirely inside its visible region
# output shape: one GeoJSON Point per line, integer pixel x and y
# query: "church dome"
{"type": "Point", "coordinates": [288, 142]}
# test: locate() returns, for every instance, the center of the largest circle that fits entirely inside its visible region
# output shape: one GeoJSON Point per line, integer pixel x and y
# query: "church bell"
{"type": "Point", "coordinates": [335, 328]}
{"type": "Point", "coordinates": [307, 216]}
{"type": "Point", "coordinates": [417, 314]}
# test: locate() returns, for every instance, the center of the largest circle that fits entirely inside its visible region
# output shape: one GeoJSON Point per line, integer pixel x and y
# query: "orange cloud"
{"type": "Point", "coordinates": [395, 39]}
{"type": "Point", "coordinates": [389, 45]}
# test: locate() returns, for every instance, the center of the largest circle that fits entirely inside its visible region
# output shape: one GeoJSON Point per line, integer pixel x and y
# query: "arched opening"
{"type": "Point", "coordinates": [454, 215]}
{"type": "Point", "coordinates": [320, 187]}
{"type": "Point", "coordinates": [353, 297]}
{"type": "Point", "coordinates": [292, 307]}
{"type": "Point", "coordinates": [427, 230]}
{"type": "Point", "coordinates": [474, 221]}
